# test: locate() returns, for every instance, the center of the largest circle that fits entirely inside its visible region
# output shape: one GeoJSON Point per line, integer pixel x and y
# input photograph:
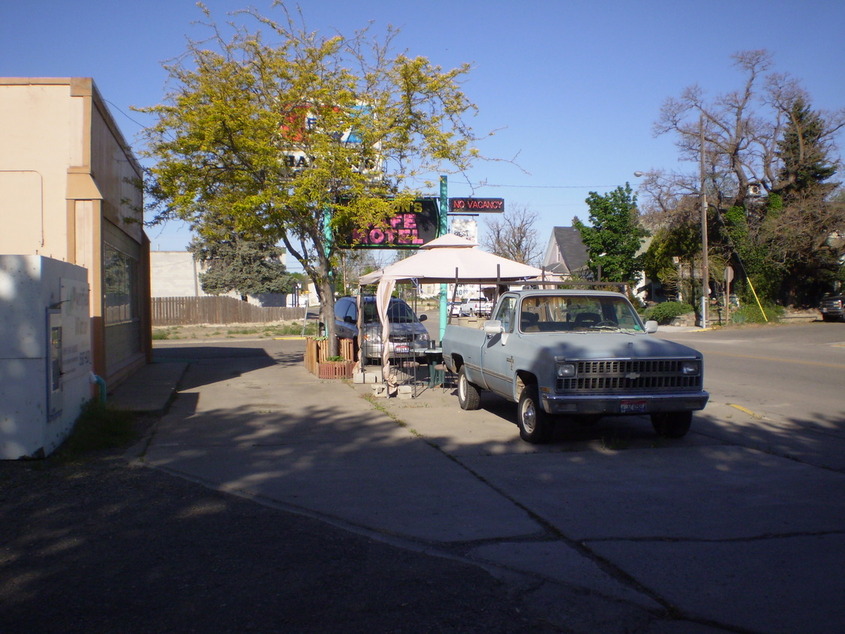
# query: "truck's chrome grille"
{"type": "Point", "coordinates": [629, 375]}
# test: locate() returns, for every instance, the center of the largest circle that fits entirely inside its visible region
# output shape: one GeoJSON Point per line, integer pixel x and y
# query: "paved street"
{"type": "Point", "coordinates": [665, 534]}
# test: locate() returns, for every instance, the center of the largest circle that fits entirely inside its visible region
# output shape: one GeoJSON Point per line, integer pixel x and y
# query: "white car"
{"type": "Point", "coordinates": [478, 306]}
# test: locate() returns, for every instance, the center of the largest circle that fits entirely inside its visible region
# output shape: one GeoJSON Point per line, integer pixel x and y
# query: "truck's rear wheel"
{"type": "Point", "coordinates": [534, 424]}
{"type": "Point", "coordinates": [468, 394]}
{"type": "Point", "coordinates": [671, 424]}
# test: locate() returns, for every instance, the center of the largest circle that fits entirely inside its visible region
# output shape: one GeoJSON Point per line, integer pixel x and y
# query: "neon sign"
{"type": "Point", "coordinates": [476, 205]}
{"type": "Point", "coordinates": [410, 227]}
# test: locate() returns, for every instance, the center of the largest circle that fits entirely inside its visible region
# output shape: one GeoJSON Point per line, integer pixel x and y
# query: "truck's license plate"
{"type": "Point", "coordinates": [633, 407]}
{"type": "Point", "coordinates": [401, 348]}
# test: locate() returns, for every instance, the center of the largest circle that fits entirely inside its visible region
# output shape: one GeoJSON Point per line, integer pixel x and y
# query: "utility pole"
{"type": "Point", "coordinates": [705, 265]}
{"type": "Point", "coordinates": [444, 229]}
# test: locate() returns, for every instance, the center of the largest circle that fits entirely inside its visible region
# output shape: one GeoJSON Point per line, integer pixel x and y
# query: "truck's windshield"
{"type": "Point", "coordinates": [567, 313]}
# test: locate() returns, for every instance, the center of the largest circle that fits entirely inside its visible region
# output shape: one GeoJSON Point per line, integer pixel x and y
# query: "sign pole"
{"type": "Point", "coordinates": [444, 229]}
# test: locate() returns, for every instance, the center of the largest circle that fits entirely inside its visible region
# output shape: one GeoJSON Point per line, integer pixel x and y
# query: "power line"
{"type": "Point", "coordinates": [545, 186]}
{"type": "Point", "coordinates": [114, 105]}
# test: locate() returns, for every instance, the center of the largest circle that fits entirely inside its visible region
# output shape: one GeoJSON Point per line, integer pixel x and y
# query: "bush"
{"type": "Point", "coordinates": [665, 312]}
{"type": "Point", "coordinates": [751, 314]}
{"type": "Point", "coordinates": [98, 427]}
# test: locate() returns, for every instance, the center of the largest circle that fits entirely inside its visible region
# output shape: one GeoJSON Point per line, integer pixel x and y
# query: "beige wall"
{"type": "Point", "coordinates": [66, 174]}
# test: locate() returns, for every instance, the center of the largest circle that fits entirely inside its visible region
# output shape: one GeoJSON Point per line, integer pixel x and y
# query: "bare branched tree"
{"type": "Point", "coordinates": [760, 149]}
{"type": "Point", "coordinates": [512, 235]}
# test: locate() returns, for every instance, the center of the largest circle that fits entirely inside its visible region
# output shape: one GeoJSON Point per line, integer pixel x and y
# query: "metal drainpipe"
{"type": "Point", "coordinates": [101, 385]}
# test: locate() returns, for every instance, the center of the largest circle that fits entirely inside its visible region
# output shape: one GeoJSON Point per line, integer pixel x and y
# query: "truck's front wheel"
{"type": "Point", "coordinates": [671, 424]}
{"type": "Point", "coordinates": [534, 424]}
{"type": "Point", "coordinates": [468, 395]}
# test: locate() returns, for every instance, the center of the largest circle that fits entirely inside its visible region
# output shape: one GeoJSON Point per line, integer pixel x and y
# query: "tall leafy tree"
{"type": "Point", "coordinates": [295, 136]}
{"type": "Point", "coordinates": [614, 236]}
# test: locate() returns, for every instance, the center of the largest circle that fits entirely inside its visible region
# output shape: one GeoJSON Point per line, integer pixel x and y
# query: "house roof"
{"type": "Point", "coordinates": [566, 254]}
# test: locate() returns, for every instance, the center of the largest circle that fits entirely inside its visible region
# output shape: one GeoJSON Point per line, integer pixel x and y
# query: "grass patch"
{"type": "Point", "coordinates": [291, 329]}
{"type": "Point", "coordinates": [283, 329]}
{"type": "Point", "coordinates": [243, 331]}
{"type": "Point", "coordinates": [98, 428]}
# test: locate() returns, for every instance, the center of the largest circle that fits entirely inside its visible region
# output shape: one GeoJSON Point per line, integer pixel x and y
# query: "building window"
{"type": "Point", "coordinates": [120, 286]}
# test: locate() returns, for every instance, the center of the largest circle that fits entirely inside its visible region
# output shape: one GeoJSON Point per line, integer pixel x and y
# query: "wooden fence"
{"type": "Point", "coordinates": [187, 311]}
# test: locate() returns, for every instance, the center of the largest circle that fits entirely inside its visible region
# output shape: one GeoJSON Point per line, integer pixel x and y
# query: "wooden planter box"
{"type": "Point", "coordinates": [317, 352]}
{"type": "Point", "coordinates": [335, 369]}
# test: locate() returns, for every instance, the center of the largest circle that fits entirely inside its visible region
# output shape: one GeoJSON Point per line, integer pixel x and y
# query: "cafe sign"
{"type": "Point", "coordinates": [412, 225]}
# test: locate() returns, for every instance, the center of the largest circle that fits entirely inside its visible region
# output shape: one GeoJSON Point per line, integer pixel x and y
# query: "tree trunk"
{"type": "Point", "coordinates": [327, 307]}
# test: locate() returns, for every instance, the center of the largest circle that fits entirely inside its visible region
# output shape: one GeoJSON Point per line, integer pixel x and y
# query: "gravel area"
{"type": "Point", "coordinates": [109, 545]}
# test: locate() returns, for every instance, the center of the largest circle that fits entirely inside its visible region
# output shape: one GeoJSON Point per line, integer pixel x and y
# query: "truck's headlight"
{"type": "Point", "coordinates": [690, 368]}
{"type": "Point", "coordinates": [565, 370]}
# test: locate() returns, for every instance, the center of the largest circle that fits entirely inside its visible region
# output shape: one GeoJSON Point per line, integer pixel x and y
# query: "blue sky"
{"type": "Point", "coordinates": [573, 87]}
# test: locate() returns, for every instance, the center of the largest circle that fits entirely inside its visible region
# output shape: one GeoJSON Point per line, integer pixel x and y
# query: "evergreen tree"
{"type": "Point", "coordinates": [248, 267]}
{"type": "Point", "coordinates": [806, 165]}
{"type": "Point", "coordinates": [800, 213]}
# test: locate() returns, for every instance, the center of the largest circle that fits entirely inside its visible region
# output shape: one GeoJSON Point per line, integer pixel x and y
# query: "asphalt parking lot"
{"type": "Point", "coordinates": [607, 528]}
{"type": "Point", "coordinates": [717, 534]}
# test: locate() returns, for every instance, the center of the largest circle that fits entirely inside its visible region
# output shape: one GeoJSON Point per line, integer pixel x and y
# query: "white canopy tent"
{"type": "Point", "coordinates": [447, 259]}
{"type": "Point", "coordinates": [452, 257]}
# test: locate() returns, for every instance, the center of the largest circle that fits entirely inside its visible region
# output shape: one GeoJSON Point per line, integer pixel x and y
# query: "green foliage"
{"type": "Point", "coordinates": [98, 427]}
{"type": "Point", "coordinates": [665, 312]}
{"type": "Point", "coordinates": [750, 313]}
{"type": "Point", "coordinates": [804, 152]}
{"type": "Point", "coordinates": [296, 139]}
{"type": "Point", "coordinates": [244, 266]}
{"type": "Point", "coordinates": [615, 235]}
{"type": "Point", "coordinates": [682, 243]}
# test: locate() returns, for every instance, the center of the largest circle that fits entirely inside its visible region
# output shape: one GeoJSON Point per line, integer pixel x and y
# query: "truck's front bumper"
{"type": "Point", "coordinates": [620, 405]}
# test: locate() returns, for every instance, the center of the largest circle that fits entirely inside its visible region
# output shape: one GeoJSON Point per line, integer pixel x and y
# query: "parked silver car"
{"type": "Point", "coordinates": [408, 337]}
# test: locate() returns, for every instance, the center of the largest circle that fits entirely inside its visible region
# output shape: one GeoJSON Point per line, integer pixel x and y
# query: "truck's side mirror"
{"type": "Point", "coordinates": [423, 317]}
{"type": "Point", "coordinates": [651, 326]}
{"type": "Point", "coordinates": [493, 327]}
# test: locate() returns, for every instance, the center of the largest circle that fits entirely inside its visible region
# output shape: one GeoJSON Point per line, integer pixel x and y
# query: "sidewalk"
{"type": "Point", "coordinates": [151, 389]}
{"type": "Point", "coordinates": [604, 529]}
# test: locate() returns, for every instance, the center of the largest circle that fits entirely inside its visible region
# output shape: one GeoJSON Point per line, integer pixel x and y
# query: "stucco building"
{"type": "Point", "coordinates": [70, 189]}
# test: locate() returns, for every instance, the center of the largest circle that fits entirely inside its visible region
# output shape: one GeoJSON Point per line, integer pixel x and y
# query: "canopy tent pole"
{"type": "Point", "coordinates": [454, 296]}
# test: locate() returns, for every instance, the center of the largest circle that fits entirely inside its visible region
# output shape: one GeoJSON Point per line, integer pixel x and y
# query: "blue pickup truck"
{"type": "Point", "coordinates": [580, 354]}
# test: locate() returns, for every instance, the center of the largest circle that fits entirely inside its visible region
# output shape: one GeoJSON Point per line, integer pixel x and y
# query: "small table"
{"type": "Point", "coordinates": [436, 373]}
